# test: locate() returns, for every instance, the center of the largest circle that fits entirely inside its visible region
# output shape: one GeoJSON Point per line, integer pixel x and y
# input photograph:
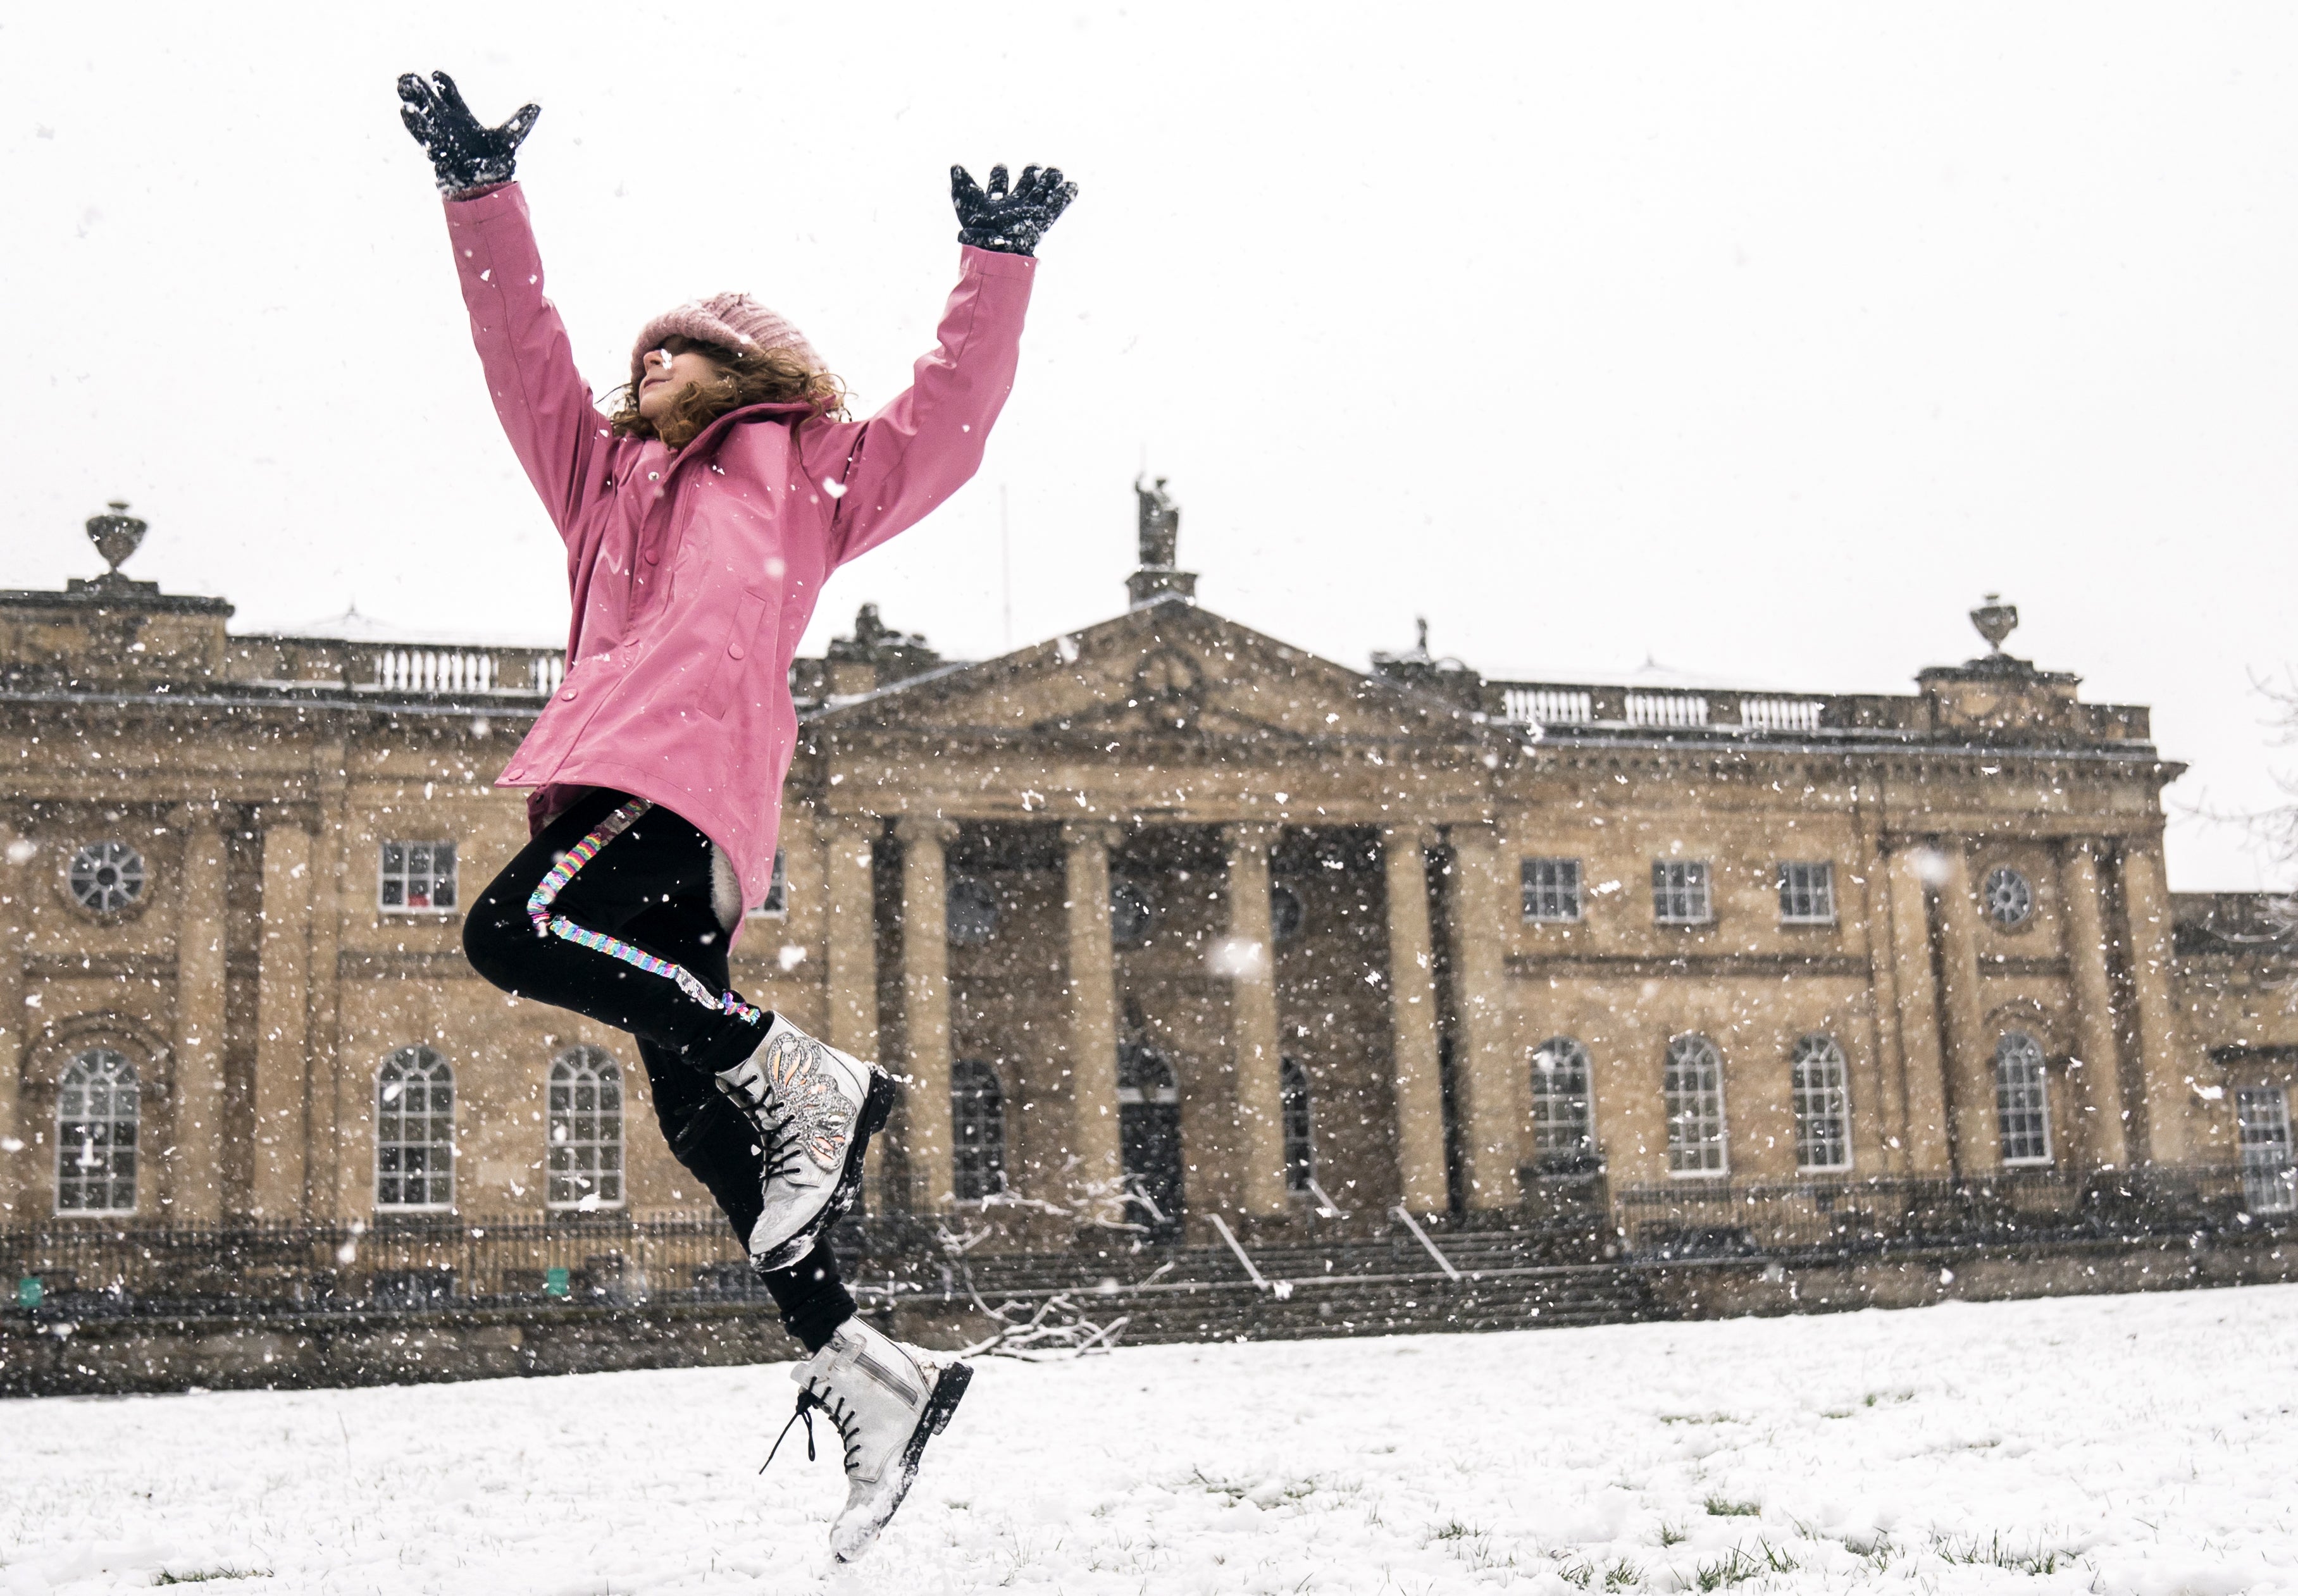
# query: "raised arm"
{"type": "Point", "coordinates": [890, 470]}
{"type": "Point", "coordinates": [544, 405]}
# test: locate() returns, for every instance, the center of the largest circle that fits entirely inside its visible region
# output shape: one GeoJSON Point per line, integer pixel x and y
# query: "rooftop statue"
{"type": "Point", "coordinates": [1160, 525]}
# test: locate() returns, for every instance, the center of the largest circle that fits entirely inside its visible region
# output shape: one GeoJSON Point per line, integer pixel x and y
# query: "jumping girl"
{"type": "Point", "coordinates": [700, 519]}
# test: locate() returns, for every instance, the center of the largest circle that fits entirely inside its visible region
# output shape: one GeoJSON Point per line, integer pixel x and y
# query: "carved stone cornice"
{"type": "Point", "coordinates": [834, 828]}
{"type": "Point", "coordinates": [1745, 966]}
{"type": "Point", "coordinates": [1078, 834]}
{"type": "Point", "coordinates": [913, 829]}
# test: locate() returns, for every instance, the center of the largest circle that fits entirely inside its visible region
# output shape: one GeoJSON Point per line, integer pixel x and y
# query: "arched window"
{"type": "Point", "coordinates": [415, 1132]}
{"type": "Point", "coordinates": [584, 1156]}
{"type": "Point", "coordinates": [1299, 1126]}
{"type": "Point", "coordinates": [977, 1123]}
{"type": "Point", "coordinates": [1563, 1132]}
{"type": "Point", "coordinates": [1819, 1082]}
{"type": "Point", "coordinates": [2022, 1102]}
{"type": "Point", "coordinates": [96, 1110]}
{"type": "Point", "coordinates": [1691, 1090]}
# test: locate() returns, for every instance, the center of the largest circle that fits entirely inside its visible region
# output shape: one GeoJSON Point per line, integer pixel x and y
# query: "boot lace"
{"type": "Point", "coordinates": [778, 1135]}
{"type": "Point", "coordinates": [778, 1129]}
{"type": "Point", "coordinates": [840, 1415]}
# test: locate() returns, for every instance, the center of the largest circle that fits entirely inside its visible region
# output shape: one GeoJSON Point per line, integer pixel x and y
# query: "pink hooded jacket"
{"type": "Point", "coordinates": [694, 575]}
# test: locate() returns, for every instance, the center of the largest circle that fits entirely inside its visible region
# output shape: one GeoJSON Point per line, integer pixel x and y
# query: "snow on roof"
{"type": "Point", "coordinates": [353, 627]}
{"type": "Point", "coordinates": [1655, 675]}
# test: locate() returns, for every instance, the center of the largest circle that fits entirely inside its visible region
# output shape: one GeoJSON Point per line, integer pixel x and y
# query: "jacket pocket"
{"type": "Point", "coordinates": [735, 661]}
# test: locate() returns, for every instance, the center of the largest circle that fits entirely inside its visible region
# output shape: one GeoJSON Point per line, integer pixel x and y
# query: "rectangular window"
{"type": "Point", "coordinates": [1680, 892]}
{"type": "Point", "coordinates": [777, 891]}
{"type": "Point", "coordinates": [1551, 889]}
{"type": "Point", "coordinates": [2263, 1133]}
{"type": "Point", "coordinates": [1807, 893]}
{"type": "Point", "coordinates": [418, 876]}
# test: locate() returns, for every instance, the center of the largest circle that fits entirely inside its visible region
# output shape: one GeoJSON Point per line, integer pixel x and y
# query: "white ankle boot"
{"type": "Point", "coordinates": [814, 1110]}
{"type": "Point", "coordinates": [888, 1401]}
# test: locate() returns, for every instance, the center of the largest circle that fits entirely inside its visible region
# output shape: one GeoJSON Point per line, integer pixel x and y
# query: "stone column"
{"type": "Point", "coordinates": [200, 925]}
{"type": "Point", "coordinates": [1253, 1020]}
{"type": "Point", "coordinates": [2098, 1080]}
{"type": "Point", "coordinates": [1879, 1092]}
{"type": "Point", "coordinates": [850, 955]}
{"type": "Point", "coordinates": [20, 1149]}
{"type": "Point", "coordinates": [282, 1004]}
{"type": "Point", "coordinates": [925, 1006]}
{"type": "Point", "coordinates": [2167, 1065]}
{"type": "Point", "coordinates": [1417, 1082]}
{"type": "Point", "coordinates": [1093, 1007]}
{"type": "Point", "coordinates": [331, 1094]}
{"type": "Point", "coordinates": [1971, 1052]}
{"type": "Point", "coordinates": [1486, 1076]}
{"type": "Point", "coordinates": [1918, 1015]}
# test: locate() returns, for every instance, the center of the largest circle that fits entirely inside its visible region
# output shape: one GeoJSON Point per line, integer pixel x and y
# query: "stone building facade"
{"type": "Point", "coordinates": [1164, 920]}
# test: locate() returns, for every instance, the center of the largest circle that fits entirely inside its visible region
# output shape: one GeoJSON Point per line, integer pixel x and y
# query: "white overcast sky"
{"type": "Point", "coordinates": [1760, 341]}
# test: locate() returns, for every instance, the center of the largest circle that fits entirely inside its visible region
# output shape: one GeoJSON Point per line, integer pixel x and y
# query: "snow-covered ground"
{"type": "Point", "coordinates": [2110, 1444]}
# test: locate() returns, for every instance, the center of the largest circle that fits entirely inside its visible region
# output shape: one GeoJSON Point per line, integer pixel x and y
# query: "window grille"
{"type": "Point", "coordinates": [1551, 889]}
{"type": "Point", "coordinates": [1300, 1127]}
{"type": "Point", "coordinates": [1680, 892]}
{"type": "Point", "coordinates": [1563, 1134]}
{"type": "Point", "coordinates": [1820, 1084]}
{"type": "Point", "coordinates": [415, 1132]}
{"type": "Point", "coordinates": [1807, 893]}
{"type": "Point", "coordinates": [2008, 897]}
{"type": "Point", "coordinates": [583, 1155]}
{"type": "Point", "coordinates": [977, 1117]}
{"type": "Point", "coordinates": [97, 1110]}
{"type": "Point", "coordinates": [2022, 1102]}
{"type": "Point", "coordinates": [418, 876]}
{"type": "Point", "coordinates": [2263, 1134]}
{"type": "Point", "coordinates": [777, 902]}
{"type": "Point", "coordinates": [1692, 1091]}
{"type": "Point", "coordinates": [106, 877]}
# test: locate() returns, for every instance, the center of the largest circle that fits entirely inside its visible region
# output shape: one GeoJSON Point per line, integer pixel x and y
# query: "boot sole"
{"type": "Point", "coordinates": [876, 1106]}
{"type": "Point", "coordinates": [947, 1392]}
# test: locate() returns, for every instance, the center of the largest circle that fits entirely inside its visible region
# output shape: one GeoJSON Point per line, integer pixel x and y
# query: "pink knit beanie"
{"type": "Point", "coordinates": [729, 320]}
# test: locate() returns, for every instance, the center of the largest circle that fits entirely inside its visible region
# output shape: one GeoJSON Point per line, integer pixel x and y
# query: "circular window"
{"type": "Point", "coordinates": [106, 877]}
{"type": "Point", "coordinates": [1130, 914]}
{"type": "Point", "coordinates": [2008, 898]}
{"type": "Point", "coordinates": [1287, 913]}
{"type": "Point", "coordinates": [972, 911]}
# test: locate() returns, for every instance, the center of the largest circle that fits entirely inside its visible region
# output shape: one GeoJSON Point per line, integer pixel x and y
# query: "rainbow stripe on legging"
{"type": "Point", "coordinates": [548, 924]}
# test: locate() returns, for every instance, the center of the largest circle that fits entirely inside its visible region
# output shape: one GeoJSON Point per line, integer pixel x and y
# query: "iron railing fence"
{"type": "Point", "coordinates": [93, 1266]}
{"type": "Point", "coordinates": [1698, 1219]}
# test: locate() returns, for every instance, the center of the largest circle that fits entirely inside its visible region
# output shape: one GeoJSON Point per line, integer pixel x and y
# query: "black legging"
{"type": "Point", "coordinates": [646, 891]}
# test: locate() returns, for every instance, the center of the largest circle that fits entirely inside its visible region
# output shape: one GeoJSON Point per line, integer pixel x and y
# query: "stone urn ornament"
{"type": "Point", "coordinates": [117, 535]}
{"type": "Point", "coordinates": [1995, 619]}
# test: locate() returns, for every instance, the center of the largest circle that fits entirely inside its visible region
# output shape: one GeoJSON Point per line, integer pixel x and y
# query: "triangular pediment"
{"type": "Point", "coordinates": [1169, 669]}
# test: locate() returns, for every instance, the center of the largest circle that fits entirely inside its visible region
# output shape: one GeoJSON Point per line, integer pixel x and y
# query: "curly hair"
{"type": "Point", "coordinates": [745, 376]}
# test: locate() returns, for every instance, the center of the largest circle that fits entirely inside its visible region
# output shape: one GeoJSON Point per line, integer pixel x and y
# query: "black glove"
{"type": "Point", "coordinates": [465, 155]}
{"type": "Point", "coordinates": [1015, 222]}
